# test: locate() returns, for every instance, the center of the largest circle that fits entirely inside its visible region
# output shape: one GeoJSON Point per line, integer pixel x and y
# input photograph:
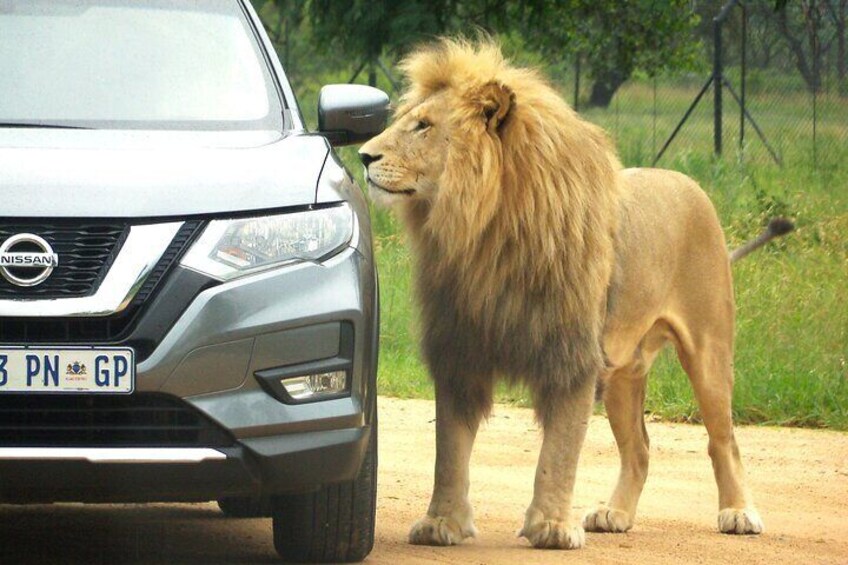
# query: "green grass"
{"type": "Point", "coordinates": [792, 320]}
{"type": "Point", "coordinates": [792, 298]}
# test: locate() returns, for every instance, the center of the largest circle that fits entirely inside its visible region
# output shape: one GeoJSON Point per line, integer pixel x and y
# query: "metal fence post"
{"type": "Point", "coordinates": [744, 76]}
{"type": "Point", "coordinates": [816, 81]}
{"type": "Point", "coordinates": [576, 82]}
{"type": "Point", "coordinates": [717, 81]}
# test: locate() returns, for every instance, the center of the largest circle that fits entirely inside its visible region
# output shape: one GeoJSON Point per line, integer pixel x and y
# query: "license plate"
{"type": "Point", "coordinates": [104, 370]}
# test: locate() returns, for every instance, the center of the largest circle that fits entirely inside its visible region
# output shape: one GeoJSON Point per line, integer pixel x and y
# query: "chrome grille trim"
{"type": "Point", "coordinates": [140, 253]}
{"type": "Point", "coordinates": [113, 454]}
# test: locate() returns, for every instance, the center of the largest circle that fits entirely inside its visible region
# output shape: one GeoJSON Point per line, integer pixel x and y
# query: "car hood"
{"type": "Point", "coordinates": [134, 174]}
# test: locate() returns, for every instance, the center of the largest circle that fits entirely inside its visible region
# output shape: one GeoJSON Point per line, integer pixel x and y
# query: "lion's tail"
{"type": "Point", "coordinates": [776, 228]}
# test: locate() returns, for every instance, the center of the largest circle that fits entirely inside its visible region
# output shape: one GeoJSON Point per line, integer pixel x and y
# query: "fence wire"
{"type": "Point", "coordinates": [800, 124]}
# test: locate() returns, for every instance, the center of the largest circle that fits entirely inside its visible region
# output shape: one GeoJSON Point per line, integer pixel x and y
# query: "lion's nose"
{"type": "Point", "coordinates": [368, 159]}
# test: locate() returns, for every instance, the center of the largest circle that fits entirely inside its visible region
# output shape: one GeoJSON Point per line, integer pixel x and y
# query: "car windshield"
{"type": "Point", "coordinates": [147, 64]}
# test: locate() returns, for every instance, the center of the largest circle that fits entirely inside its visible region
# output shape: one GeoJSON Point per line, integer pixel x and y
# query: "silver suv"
{"type": "Point", "coordinates": [188, 296]}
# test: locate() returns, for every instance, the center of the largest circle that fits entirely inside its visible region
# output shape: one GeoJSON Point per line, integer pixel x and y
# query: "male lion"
{"type": "Point", "coordinates": [539, 260]}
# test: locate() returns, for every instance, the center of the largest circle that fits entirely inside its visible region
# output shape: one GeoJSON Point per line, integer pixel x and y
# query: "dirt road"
{"type": "Point", "coordinates": [799, 479]}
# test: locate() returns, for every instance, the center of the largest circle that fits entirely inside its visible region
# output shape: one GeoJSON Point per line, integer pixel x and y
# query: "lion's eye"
{"type": "Point", "coordinates": [422, 125]}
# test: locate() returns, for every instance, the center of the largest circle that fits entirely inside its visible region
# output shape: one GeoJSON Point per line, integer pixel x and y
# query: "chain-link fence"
{"type": "Point", "coordinates": [785, 68]}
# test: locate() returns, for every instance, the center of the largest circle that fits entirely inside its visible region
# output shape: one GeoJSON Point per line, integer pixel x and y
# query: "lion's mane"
{"type": "Point", "coordinates": [516, 252]}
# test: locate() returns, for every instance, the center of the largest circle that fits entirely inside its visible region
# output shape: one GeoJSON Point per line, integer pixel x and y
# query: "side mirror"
{"type": "Point", "coordinates": [351, 113]}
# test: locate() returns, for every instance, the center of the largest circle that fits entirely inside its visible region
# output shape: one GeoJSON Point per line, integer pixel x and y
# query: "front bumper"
{"type": "Point", "coordinates": [208, 358]}
{"type": "Point", "coordinates": [283, 464]}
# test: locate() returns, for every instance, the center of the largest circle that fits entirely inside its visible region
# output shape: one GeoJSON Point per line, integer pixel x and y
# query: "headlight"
{"type": "Point", "coordinates": [228, 249]}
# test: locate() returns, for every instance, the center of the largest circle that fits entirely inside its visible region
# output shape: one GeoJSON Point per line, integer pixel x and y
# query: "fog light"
{"type": "Point", "coordinates": [315, 386]}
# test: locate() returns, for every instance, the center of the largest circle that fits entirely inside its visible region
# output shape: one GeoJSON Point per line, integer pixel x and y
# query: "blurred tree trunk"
{"type": "Point", "coordinates": [838, 10]}
{"type": "Point", "coordinates": [605, 87]}
{"type": "Point", "coordinates": [809, 57]}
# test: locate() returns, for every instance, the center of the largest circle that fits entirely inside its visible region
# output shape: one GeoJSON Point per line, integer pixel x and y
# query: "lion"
{"type": "Point", "coordinates": [539, 260]}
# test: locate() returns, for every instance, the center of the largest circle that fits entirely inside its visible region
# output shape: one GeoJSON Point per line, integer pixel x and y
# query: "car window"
{"type": "Point", "coordinates": [133, 63]}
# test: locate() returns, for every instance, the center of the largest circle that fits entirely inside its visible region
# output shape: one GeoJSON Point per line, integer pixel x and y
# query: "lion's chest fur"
{"type": "Point", "coordinates": [483, 318]}
{"type": "Point", "coordinates": [514, 250]}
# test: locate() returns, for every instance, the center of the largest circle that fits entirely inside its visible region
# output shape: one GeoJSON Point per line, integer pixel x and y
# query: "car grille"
{"type": "Point", "coordinates": [175, 250]}
{"type": "Point", "coordinates": [137, 420]}
{"type": "Point", "coordinates": [99, 330]}
{"type": "Point", "coordinates": [86, 250]}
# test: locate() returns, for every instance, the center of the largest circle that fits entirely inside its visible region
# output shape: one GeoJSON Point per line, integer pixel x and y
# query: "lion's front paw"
{"type": "Point", "coordinates": [740, 521]}
{"type": "Point", "coordinates": [553, 534]}
{"type": "Point", "coordinates": [605, 519]}
{"type": "Point", "coordinates": [440, 530]}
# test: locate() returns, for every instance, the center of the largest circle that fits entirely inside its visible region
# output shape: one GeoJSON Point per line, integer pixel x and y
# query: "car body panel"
{"type": "Point", "coordinates": [208, 340]}
{"type": "Point", "coordinates": [142, 174]}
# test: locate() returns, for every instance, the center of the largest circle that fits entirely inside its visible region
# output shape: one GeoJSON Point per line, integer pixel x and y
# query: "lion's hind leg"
{"type": "Point", "coordinates": [624, 399]}
{"type": "Point", "coordinates": [708, 360]}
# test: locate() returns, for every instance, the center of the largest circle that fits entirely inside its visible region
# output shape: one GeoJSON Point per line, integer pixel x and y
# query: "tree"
{"type": "Point", "coordinates": [282, 19]}
{"type": "Point", "coordinates": [838, 12]}
{"type": "Point", "coordinates": [365, 29]}
{"type": "Point", "coordinates": [616, 38]}
{"type": "Point", "coordinates": [810, 29]}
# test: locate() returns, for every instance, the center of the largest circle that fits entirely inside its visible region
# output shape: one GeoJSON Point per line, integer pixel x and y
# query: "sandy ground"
{"type": "Point", "coordinates": [799, 479]}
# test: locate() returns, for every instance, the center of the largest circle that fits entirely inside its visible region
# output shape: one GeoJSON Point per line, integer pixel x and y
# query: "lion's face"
{"type": "Point", "coordinates": [408, 158]}
{"type": "Point", "coordinates": [441, 146]}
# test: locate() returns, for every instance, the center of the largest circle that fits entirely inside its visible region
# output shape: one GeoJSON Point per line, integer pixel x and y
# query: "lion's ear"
{"type": "Point", "coordinates": [496, 101]}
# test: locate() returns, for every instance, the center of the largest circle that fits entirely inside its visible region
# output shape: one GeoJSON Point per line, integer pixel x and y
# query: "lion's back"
{"type": "Point", "coordinates": [669, 238]}
{"type": "Point", "coordinates": [667, 207]}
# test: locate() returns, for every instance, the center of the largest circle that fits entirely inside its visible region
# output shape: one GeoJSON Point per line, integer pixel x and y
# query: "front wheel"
{"type": "Point", "coordinates": [334, 524]}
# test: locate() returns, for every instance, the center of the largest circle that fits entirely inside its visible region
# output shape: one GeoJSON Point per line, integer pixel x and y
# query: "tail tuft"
{"type": "Point", "coordinates": [776, 228]}
{"type": "Point", "coordinates": [780, 226]}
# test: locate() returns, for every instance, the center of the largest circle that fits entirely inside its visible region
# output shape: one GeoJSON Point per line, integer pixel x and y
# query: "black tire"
{"type": "Point", "coordinates": [244, 507]}
{"type": "Point", "coordinates": [333, 525]}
